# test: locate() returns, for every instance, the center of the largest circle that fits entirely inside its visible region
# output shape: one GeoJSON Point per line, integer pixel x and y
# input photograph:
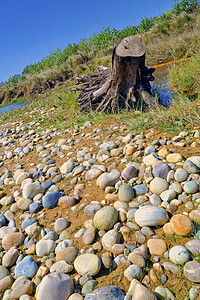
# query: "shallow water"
{"type": "Point", "coordinates": [164, 94]}
{"type": "Point", "coordinates": [12, 106]}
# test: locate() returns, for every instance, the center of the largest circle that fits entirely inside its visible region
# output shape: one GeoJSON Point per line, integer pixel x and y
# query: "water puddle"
{"type": "Point", "coordinates": [164, 93]}
{"type": "Point", "coordinates": [12, 106]}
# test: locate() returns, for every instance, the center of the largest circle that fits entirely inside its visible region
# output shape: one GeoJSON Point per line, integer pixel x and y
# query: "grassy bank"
{"type": "Point", "coordinates": [167, 37]}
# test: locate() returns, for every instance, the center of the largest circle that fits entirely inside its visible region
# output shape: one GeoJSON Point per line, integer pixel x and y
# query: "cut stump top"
{"type": "Point", "coordinates": [130, 46]}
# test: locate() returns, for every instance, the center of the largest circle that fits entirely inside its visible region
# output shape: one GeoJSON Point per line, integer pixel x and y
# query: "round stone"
{"type": "Point", "coordinates": [50, 200]}
{"type": "Point", "coordinates": [158, 185]}
{"type": "Point", "coordinates": [168, 195]}
{"type": "Point", "coordinates": [92, 208]}
{"type": "Point", "coordinates": [27, 267]}
{"type": "Point", "coordinates": [55, 286]}
{"type": "Point", "coordinates": [10, 257]}
{"type": "Point", "coordinates": [14, 239]}
{"type": "Point", "coordinates": [30, 190]}
{"type": "Point", "coordinates": [3, 272]}
{"type": "Point", "coordinates": [28, 222]}
{"type": "Point", "coordinates": [133, 272]}
{"type": "Point", "coordinates": [109, 239]}
{"type": "Point", "coordinates": [61, 267]}
{"type": "Point", "coordinates": [35, 207]}
{"type": "Point", "coordinates": [195, 215]}
{"type": "Point", "coordinates": [182, 225]}
{"type": "Point", "coordinates": [22, 286]}
{"type": "Point", "coordinates": [87, 264]}
{"type": "Point", "coordinates": [126, 193]}
{"type": "Point", "coordinates": [193, 246]}
{"type": "Point", "coordinates": [192, 164]}
{"type": "Point", "coordinates": [60, 225]}
{"type": "Point", "coordinates": [191, 187]}
{"type": "Point", "coordinates": [88, 287]}
{"type": "Point", "coordinates": [108, 179]}
{"type": "Point", "coordinates": [142, 292]}
{"type": "Point", "coordinates": [157, 246]}
{"type": "Point", "coordinates": [68, 254]}
{"type": "Point", "coordinates": [192, 271]}
{"type": "Point", "coordinates": [89, 236]}
{"type": "Point", "coordinates": [106, 292]}
{"type": "Point", "coordinates": [67, 166]}
{"type": "Point", "coordinates": [160, 170]}
{"type": "Point", "coordinates": [149, 150]}
{"type": "Point", "coordinates": [137, 259]}
{"type": "Point", "coordinates": [129, 172]}
{"type": "Point", "coordinates": [181, 175]}
{"type": "Point", "coordinates": [66, 201]}
{"type": "Point", "coordinates": [179, 255]}
{"type": "Point", "coordinates": [174, 157]}
{"type": "Point", "coordinates": [140, 189]}
{"type": "Point", "coordinates": [44, 247]}
{"type": "Point", "coordinates": [105, 218]}
{"type": "Point", "coordinates": [150, 216]}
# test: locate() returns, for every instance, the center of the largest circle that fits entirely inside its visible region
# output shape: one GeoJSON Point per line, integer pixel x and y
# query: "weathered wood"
{"type": "Point", "coordinates": [124, 85]}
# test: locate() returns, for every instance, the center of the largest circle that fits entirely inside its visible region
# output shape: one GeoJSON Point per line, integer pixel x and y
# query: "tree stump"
{"type": "Point", "coordinates": [127, 82]}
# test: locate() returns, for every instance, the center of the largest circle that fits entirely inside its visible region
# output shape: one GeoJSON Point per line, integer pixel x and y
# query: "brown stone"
{"type": "Point", "coordinates": [130, 150]}
{"type": "Point", "coordinates": [156, 246]}
{"type": "Point", "coordinates": [195, 216]}
{"type": "Point", "coordinates": [5, 283]}
{"type": "Point", "coordinates": [14, 239]}
{"type": "Point", "coordinates": [137, 259]}
{"type": "Point", "coordinates": [115, 152]}
{"type": "Point", "coordinates": [67, 201]}
{"type": "Point", "coordinates": [118, 249]}
{"type": "Point", "coordinates": [167, 228]}
{"type": "Point", "coordinates": [182, 225]}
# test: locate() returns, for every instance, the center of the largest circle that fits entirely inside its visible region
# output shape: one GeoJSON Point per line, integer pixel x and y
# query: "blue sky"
{"type": "Point", "coordinates": [30, 29]}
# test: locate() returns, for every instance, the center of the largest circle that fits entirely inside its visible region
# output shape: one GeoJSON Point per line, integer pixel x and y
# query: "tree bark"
{"type": "Point", "coordinates": [128, 81]}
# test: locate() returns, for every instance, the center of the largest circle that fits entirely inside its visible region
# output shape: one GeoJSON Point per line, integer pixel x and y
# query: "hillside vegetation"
{"type": "Point", "coordinates": [167, 37]}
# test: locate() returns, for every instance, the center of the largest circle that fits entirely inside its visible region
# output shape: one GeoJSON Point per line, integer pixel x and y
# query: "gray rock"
{"type": "Point", "coordinates": [129, 172]}
{"type": "Point", "coordinates": [179, 255]}
{"type": "Point", "coordinates": [10, 257]}
{"type": "Point", "coordinates": [126, 193]}
{"type": "Point", "coordinates": [44, 247]}
{"type": "Point", "coordinates": [174, 269]}
{"type": "Point", "coordinates": [161, 170]}
{"type": "Point", "coordinates": [133, 272]}
{"type": "Point", "coordinates": [89, 236]}
{"type": "Point", "coordinates": [193, 246]}
{"type": "Point", "coordinates": [55, 286]}
{"type": "Point", "coordinates": [67, 166]}
{"type": "Point", "coordinates": [61, 224]}
{"type": "Point", "coordinates": [191, 187]}
{"type": "Point", "coordinates": [61, 267]}
{"type": "Point", "coordinates": [68, 254]}
{"type": "Point", "coordinates": [3, 272]}
{"type": "Point", "coordinates": [194, 292]}
{"type": "Point", "coordinates": [21, 287]}
{"type": "Point", "coordinates": [30, 190]}
{"type": "Point", "coordinates": [109, 239]}
{"type": "Point", "coordinates": [164, 293]}
{"type": "Point", "coordinates": [106, 293]}
{"type": "Point", "coordinates": [108, 179]}
{"type": "Point", "coordinates": [181, 175]}
{"type": "Point", "coordinates": [89, 287]}
{"type": "Point", "coordinates": [192, 271]}
{"type": "Point", "coordinates": [92, 208]}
